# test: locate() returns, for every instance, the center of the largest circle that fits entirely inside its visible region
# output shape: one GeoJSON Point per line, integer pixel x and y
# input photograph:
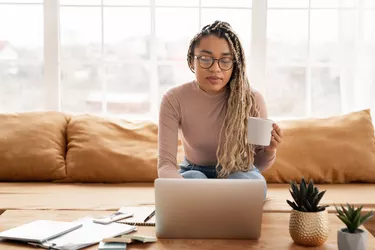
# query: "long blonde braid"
{"type": "Point", "coordinates": [234, 153]}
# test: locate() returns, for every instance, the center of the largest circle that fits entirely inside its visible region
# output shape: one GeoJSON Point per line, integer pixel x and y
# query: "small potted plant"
{"type": "Point", "coordinates": [308, 224]}
{"type": "Point", "coordinates": [352, 237]}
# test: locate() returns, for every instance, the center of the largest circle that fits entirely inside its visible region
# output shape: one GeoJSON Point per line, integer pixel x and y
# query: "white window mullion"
{"type": "Point", "coordinates": [154, 79]}
{"type": "Point", "coordinates": [308, 68]}
{"type": "Point", "coordinates": [102, 66]}
{"type": "Point", "coordinates": [361, 86]}
{"type": "Point", "coordinates": [346, 76]}
{"type": "Point", "coordinates": [200, 14]}
{"type": "Point", "coordinates": [259, 44]}
{"type": "Point", "coordinates": [52, 85]}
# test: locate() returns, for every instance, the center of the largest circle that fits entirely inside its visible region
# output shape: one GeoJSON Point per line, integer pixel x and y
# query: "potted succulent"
{"type": "Point", "coordinates": [352, 237]}
{"type": "Point", "coordinates": [308, 224]}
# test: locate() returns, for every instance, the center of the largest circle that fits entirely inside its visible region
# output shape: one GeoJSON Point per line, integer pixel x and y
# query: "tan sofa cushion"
{"type": "Point", "coordinates": [337, 149]}
{"type": "Point", "coordinates": [111, 151]}
{"type": "Point", "coordinates": [32, 146]}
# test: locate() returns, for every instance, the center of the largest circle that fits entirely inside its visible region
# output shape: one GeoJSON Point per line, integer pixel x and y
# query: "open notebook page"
{"type": "Point", "coordinates": [139, 215]}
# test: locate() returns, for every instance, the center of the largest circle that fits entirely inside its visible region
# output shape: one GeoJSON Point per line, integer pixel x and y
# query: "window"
{"type": "Point", "coordinates": [124, 55]}
{"type": "Point", "coordinates": [117, 57]}
{"type": "Point", "coordinates": [314, 58]}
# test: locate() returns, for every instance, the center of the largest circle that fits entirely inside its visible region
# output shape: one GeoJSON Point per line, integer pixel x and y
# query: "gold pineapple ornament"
{"type": "Point", "coordinates": [308, 224]}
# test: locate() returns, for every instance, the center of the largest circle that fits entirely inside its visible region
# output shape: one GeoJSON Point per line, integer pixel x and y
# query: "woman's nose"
{"type": "Point", "coordinates": [215, 66]}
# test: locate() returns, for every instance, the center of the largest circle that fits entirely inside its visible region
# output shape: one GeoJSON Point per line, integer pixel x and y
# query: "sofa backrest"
{"type": "Point", "coordinates": [53, 146]}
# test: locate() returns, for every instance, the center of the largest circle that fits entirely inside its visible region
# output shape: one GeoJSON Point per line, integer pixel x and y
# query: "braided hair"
{"type": "Point", "coordinates": [234, 153]}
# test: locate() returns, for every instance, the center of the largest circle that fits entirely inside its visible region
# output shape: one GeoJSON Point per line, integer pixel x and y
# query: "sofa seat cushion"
{"type": "Point", "coordinates": [33, 146]}
{"type": "Point", "coordinates": [67, 196]}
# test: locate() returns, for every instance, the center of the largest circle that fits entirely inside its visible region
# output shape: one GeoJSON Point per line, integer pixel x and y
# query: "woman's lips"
{"type": "Point", "coordinates": [214, 79]}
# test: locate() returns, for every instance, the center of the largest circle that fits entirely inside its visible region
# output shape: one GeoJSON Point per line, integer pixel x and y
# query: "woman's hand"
{"type": "Point", "coordinates": [276, 138]}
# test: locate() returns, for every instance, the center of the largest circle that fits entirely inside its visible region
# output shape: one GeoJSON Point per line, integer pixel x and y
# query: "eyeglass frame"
{"type": "Point", "coordinates": [213, 61]}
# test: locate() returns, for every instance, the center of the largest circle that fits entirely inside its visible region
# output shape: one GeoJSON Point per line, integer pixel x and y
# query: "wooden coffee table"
{"type": "Point", "coordinates": [275, 233]}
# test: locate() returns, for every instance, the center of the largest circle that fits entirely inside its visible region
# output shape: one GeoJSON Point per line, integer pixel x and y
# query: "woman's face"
{"type": "Point", "coordinates": [213, 77]}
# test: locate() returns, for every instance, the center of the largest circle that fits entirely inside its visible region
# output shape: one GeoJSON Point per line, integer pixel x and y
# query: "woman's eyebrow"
{"type": "Point", "coordinates": [210, 52]}
{"type": "Point", "coordinates": [206, 51]}
{"type": "Point", "coordinates": [226, 54]}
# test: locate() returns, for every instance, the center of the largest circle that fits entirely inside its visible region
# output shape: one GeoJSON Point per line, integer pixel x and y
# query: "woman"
{"type": "Point", "coordinates": [211, 113]}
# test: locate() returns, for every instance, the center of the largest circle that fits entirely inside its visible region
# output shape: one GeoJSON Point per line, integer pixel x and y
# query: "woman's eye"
{"type": "Point", "coordinates": [226, 60]}
{"type": "Point", "coordinates": [205, 59]}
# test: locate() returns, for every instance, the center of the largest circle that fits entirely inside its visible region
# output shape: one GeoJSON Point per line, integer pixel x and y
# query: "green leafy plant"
{"type": "Point", "coordinates": [306, 197]}
{"type": "Point", "coordinates": [352, 217]}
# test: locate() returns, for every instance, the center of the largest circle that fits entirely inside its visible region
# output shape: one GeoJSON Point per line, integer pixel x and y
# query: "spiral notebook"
{"type": "Point", "coordinates": [139, 215]}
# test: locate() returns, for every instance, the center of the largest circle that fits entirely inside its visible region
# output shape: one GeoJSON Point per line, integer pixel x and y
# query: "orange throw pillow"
{"type": "Point", "coordinates": [110, 151]}
{"type": "Point", "coordinates": [32, 146]}
{"type": "Point", "coordinates": [339, 149]}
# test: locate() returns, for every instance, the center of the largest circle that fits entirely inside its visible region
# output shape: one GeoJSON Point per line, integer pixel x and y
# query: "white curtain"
{"type": "Point", "coordinates": [356, 54]}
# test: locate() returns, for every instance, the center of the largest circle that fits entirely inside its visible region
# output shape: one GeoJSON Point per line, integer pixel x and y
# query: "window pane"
{"type": "Point", "coordinates": [23, 32]}
{"type": "Point", "coordinates": [128, 89]}
{"type": "Point", "coordinates": [123, 39]}
{"type": "Point", "coordinates": [226, 3]}
{"type": "Point", "coordinates": [286, 91]}
{"type": "Point", "coordinates": [324, 35]}
{"type": "Point", "coordinates": [80, 2]}
{"type": "Point", "coordinates": [365, 56]}
{"type": "Point", "coordinates": [80, 37]}
{"type": "Point", "coordinates": [287, 36]}
{"type": "Point", "coordinates": [333, 3]}
{"type": "Point", "coordinates": [240, 20]}
{"type": "Point", "coordinates": [347, 26]}
{"type": "Point", "coordinates": [177, 3]}
{"type": "Point", "coordinates": [80, 82]}
{"type": "Point", "coordinates": [363, 84]}
{"type": "Point", "coordinates": [126, 2]}
{"type": "Point", "coordinates": [369, 3]}
{"type": "Point", "coordinates": [174, 36]}
{"type": "Point", "coordinates": [346, 50]}
{"type": "Point", "coordinates": [253, 82]}
{"type": "Point", "coordinates": [172, 75]}
{"type": "Point", "coordinates": [21, 58]}
{"type": "Point", "coordinates": [21, 85]}
{"type": "Point", "coordinates": [326, 94]}
{"type": "Point", "coordinates": [288, 4]}
{"type": "Point", "coordinates": [369, 27]}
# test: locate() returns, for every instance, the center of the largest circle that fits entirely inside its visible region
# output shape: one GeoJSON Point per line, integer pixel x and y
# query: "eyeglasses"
{"type": "Point", "coordinates": [206, 62]}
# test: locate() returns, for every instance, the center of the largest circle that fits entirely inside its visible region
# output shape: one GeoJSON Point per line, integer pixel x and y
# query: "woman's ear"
{"type": "Point", "coordinates": [191, 66]}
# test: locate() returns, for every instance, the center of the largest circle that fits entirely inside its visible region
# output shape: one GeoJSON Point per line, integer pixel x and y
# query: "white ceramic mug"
{"type": "Point", "coordinates": [259, 131]}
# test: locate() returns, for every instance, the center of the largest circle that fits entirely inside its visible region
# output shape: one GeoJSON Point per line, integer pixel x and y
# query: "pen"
{"type": "Point", "coordinates": [150, 216]}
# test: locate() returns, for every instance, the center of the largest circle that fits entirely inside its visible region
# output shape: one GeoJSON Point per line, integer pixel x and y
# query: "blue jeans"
{"type": "Point", "coordinates": [189, 170]}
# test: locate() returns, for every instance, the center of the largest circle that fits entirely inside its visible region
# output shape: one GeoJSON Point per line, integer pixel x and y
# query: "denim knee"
{"type": "Point", "coordinates": [193, 174]}
{"type": "Point", "coordinates": [254, 175]}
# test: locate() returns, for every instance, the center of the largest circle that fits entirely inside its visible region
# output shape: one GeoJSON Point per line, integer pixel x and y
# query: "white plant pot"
{"type": "Point", "coordinates": [348, 241]}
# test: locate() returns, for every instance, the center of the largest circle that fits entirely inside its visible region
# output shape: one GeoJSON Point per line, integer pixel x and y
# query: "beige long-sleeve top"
{"type": "Point", "coordinates": [198, 116]}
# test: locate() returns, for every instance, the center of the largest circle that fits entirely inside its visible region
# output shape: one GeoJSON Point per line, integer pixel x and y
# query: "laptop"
{"type": "Point", "coordinates": [208, 208]}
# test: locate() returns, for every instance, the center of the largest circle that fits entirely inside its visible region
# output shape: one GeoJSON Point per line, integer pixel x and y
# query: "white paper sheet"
{"type": "Point", "coordinates": [90, 233]}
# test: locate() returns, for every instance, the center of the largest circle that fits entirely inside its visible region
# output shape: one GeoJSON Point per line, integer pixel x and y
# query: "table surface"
{"type": "Point", "coordinates": [274, 235]}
